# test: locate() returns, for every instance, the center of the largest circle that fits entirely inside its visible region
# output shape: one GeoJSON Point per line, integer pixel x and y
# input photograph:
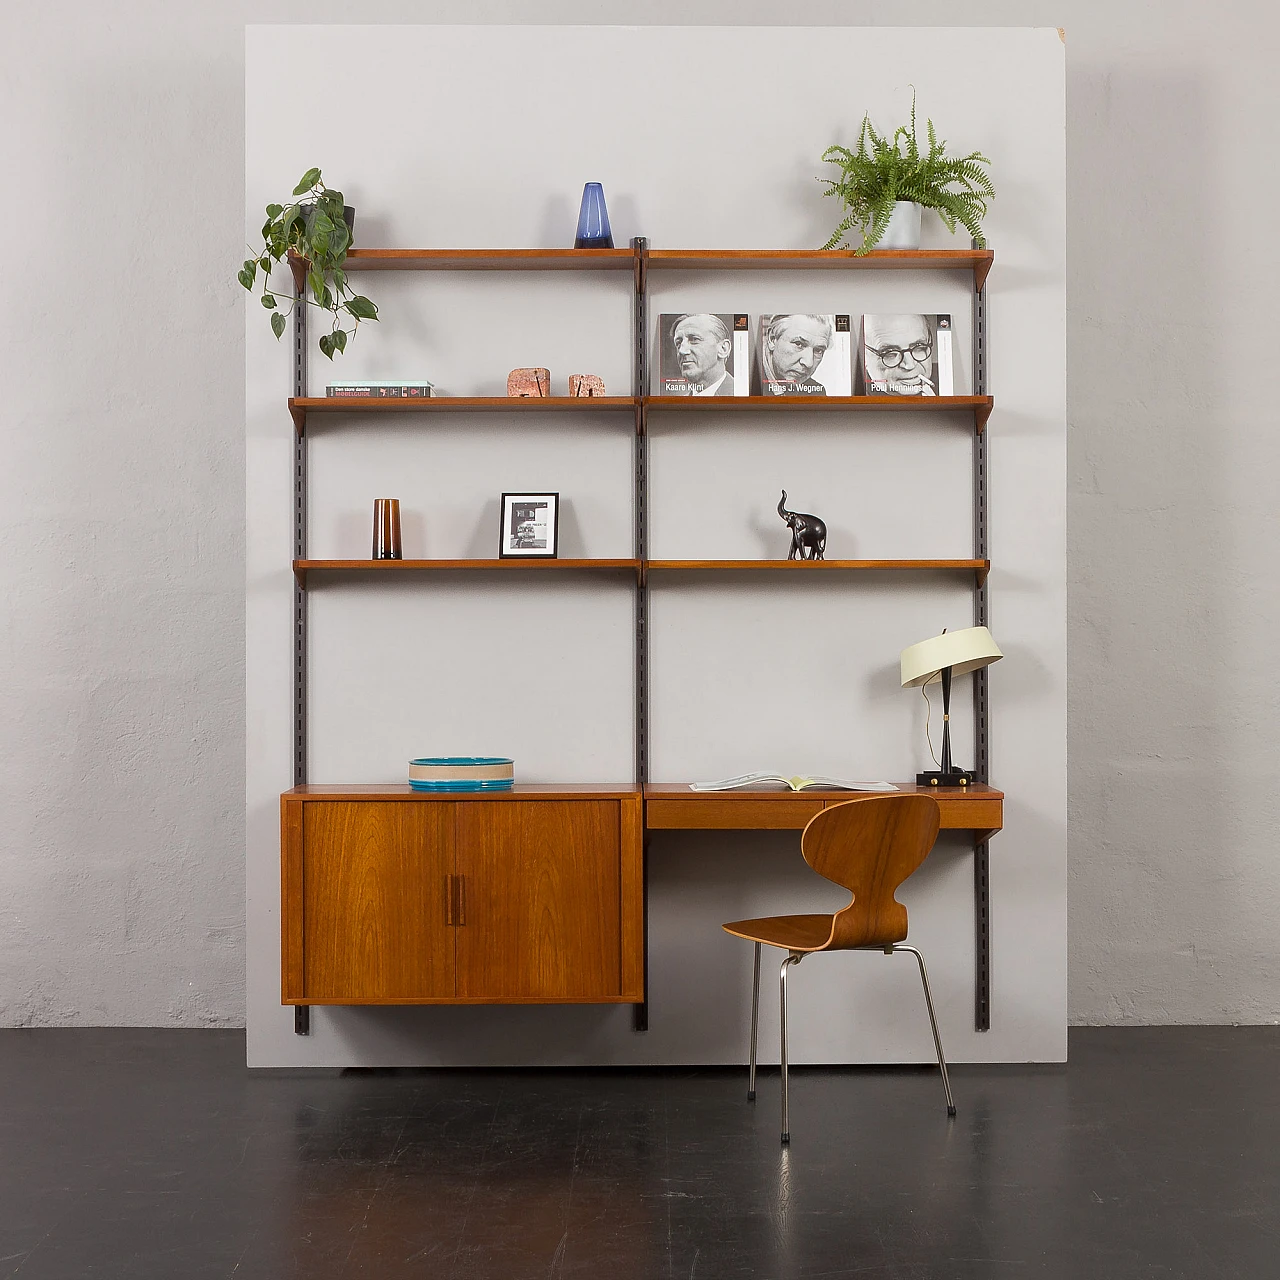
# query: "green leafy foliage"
{"type": "Point", "coordinates": [887, 168]}
{"type": "Point", "coordinates": [312, 233]}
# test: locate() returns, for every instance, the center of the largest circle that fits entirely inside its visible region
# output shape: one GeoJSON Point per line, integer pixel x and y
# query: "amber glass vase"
{"type": "Point", "coordinates": [386, 529]}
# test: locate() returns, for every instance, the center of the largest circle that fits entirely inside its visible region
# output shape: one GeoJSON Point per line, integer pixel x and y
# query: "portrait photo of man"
{"type": "Point", "coordinates": [697, 353]}
{"type": "Point", "coordinates": [898, 356]}
{"type": "Point", "coordinates": [804, 355]}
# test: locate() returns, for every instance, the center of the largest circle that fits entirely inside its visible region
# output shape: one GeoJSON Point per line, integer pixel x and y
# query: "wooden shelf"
{"type": "Point", "coordinates": [979, 406]}
{"type": "Point", "coordinates": [303, 567]}
{"type": "Point", "coordinates": [976, 260]}
{"type": "Point", "coordinates": [490, 260]}
{"type": "Point", "coordinates": [301, 406]}
{"type": "Point", "coordinates": [978, 567]}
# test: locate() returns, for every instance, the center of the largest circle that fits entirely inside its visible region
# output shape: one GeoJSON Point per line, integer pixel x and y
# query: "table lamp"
{"type": "Point", "coordinates": [939, 658]}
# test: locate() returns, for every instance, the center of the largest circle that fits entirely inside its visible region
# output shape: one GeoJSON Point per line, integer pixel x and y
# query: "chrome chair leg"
{"type": "Point", "coordinates": [755, 1026]}
{"type": "Point", "coordinates": [793, 958]}
{"type": "Point", "coordinates": [933, 1022]}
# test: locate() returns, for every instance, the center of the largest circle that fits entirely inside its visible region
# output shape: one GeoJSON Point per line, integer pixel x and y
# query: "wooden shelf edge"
{"type": "Point", "coordinates": [980, 406]}
{"type": "Point", "coordinates": [978, 567]}
{"type": "Point", "coordinates": [301, 568]}
{"type": "Point", "coordinates": [979, 260]}
{"type": "Point", "coordinates": [490, 259]}
{"type": "Point", "coordinates": [301, 406]}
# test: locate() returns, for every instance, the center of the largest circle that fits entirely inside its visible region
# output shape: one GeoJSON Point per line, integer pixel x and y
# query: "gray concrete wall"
{"type": "Point", "coordinates": [122, 500]}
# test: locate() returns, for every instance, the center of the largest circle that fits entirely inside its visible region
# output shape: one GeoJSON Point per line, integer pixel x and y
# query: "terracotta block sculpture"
{"type": "Point", "coordinates": [585, 384]}
{"type": "Point", "coordinates": [534, 383]}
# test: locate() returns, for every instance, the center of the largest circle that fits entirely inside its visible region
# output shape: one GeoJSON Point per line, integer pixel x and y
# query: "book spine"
{"type": "Point", "coordinates": [946, 366]}
{"type": "Point", "coordinates": [404, 391]}
{"type": "Point", "coordinates": [741, 356]}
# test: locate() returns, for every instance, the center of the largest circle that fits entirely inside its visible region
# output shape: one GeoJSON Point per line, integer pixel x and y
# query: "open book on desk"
{"type": "Point", "coordinates": [795, 784]}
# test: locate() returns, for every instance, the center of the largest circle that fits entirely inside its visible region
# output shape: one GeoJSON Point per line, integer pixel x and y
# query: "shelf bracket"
{"type": "Point", "coordinates": [981, 269]}
{"type": "Point", "coordinates": [301, 1019]}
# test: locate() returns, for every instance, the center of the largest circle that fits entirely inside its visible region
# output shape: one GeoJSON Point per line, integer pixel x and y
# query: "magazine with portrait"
{"type": "Point", "coordinates": [704, 354]}
{"type": "Point", "coordinates": [805, 355]}
{"type": "Point", "coordinates": [906, 355]}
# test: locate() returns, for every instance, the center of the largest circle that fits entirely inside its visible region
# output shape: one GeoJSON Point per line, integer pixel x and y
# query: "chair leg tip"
{"type": "Point", "coordinates": [951, 1111]}
{"type": "Point", "coordinates": [751, 1095]}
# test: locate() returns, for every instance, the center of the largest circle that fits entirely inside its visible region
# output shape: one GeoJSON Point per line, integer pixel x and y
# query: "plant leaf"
{"type": "Point", "coordinates": [307, 181]}
{"type": "Point", "coordinates": [246, 277]}
{"type": "Point", "coordinates": [277, 324]}
{"type": "Point", "coordinates": [274, 210]}
{"type": "Point", "coordinates": [268, 301]}
{"type": "Point", "coordinates": [362, 308]}
{"type": "Point", "coordinates": [326, 344]}
{"type": "Point", "coordinates": [340, 339]}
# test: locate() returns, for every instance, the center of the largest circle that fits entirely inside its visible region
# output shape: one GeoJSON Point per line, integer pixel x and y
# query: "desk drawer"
{"type": "Point", "coordinates": [705, 813]}
{"type": "Point", "coordinates": [971, 815]}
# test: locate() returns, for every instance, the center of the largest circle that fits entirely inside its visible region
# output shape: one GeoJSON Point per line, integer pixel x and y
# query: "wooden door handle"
{"type": "Point", "coordinates": [462, 900]}
{"type": "Point", "coordinates": [448, 899]}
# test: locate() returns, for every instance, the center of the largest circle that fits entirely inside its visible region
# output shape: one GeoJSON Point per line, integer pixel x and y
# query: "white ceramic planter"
{"type": "Point", "coordinates": [903, 231]}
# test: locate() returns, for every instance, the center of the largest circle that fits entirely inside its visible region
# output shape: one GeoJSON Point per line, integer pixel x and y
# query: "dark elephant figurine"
{"type": "Point", "coordinates": [808, 533]}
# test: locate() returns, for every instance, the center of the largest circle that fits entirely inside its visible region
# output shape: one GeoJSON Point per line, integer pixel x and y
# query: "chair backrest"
{"type": "Point", "coordinates": [870, 846]}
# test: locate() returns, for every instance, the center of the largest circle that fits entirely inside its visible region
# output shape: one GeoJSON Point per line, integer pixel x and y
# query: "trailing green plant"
{"type": "Point", "coordinates": [313, 235]}
{"type": "Point", "coordinates": [888, 168]}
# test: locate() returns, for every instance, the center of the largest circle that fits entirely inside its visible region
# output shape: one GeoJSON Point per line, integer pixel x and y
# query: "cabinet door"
{"type": "Point", "coordinates": [540, 903]}
{"type": "Point", "coordinates": [376, 902]}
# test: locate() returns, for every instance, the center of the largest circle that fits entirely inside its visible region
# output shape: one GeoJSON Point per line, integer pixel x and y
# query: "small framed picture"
{"type": "Point", "coordinates": [530, 526]}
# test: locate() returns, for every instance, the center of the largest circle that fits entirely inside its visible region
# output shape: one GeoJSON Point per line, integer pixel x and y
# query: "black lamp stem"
{"type": "Point", "coordinates": [946, 720]}
{"type": "Point", "coordinates": [947, 775]}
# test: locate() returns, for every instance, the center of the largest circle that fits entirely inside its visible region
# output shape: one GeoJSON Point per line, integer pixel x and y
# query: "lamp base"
{"type": "Point", "coordinates": [936, 778]}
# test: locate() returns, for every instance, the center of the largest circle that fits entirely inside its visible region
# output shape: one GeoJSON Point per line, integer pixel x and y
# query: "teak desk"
{"type": "Point", "coordinates": [979, 809]}
{"type": "Point", "coordinates": [672, 806]}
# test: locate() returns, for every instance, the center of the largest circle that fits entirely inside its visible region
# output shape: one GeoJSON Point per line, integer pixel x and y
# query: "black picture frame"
{"type": "Point", "coordinates": [529, 526]}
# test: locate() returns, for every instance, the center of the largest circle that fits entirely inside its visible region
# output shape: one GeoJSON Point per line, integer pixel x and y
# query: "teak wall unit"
{"type": "Point", "coordinates": [393, 896]}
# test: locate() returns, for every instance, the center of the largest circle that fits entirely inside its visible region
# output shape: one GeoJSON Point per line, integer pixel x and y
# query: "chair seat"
{"type": "Point", "coordinates": [795, 933]}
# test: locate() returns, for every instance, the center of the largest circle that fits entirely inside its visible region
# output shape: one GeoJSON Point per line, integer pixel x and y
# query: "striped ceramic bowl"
{"type": "Point", "coordinates": [462, 773]}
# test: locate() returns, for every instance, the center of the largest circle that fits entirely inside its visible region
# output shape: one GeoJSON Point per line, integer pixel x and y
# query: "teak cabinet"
{"type": "Point", "coordinates": [395, 897]}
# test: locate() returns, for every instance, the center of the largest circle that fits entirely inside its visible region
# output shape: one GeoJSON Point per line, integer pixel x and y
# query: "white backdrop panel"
{"type": "Point", "coordinates": [703, 139]}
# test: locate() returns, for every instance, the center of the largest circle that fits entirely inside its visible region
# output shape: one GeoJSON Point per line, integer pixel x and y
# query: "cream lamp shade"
{"type": "Point", "coordinates": [962, 651]}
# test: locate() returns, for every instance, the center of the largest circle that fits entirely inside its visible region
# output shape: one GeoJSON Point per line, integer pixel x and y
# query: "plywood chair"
{"type": "Point", "coordinates": [870, 846]}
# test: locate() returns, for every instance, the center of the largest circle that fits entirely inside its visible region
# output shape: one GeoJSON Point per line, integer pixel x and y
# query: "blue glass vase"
{"type": "Point", "coordinates": [593, 220]}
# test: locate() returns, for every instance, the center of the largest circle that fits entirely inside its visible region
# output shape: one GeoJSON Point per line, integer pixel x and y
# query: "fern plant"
{"type": "Point", "coordinates": [885, 169]}
{"type": "Point", "coordinates": [314, 238]}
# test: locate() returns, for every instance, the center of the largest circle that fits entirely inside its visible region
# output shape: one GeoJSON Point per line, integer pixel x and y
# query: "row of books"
{"type": "Point", "coordinates": [708, 354]}
{"type": "Point", "coordinates": [379, 390]}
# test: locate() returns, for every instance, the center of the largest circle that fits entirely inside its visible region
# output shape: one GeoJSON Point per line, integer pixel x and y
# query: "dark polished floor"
{"type": "Point", "coordinates": [143, 1154]}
